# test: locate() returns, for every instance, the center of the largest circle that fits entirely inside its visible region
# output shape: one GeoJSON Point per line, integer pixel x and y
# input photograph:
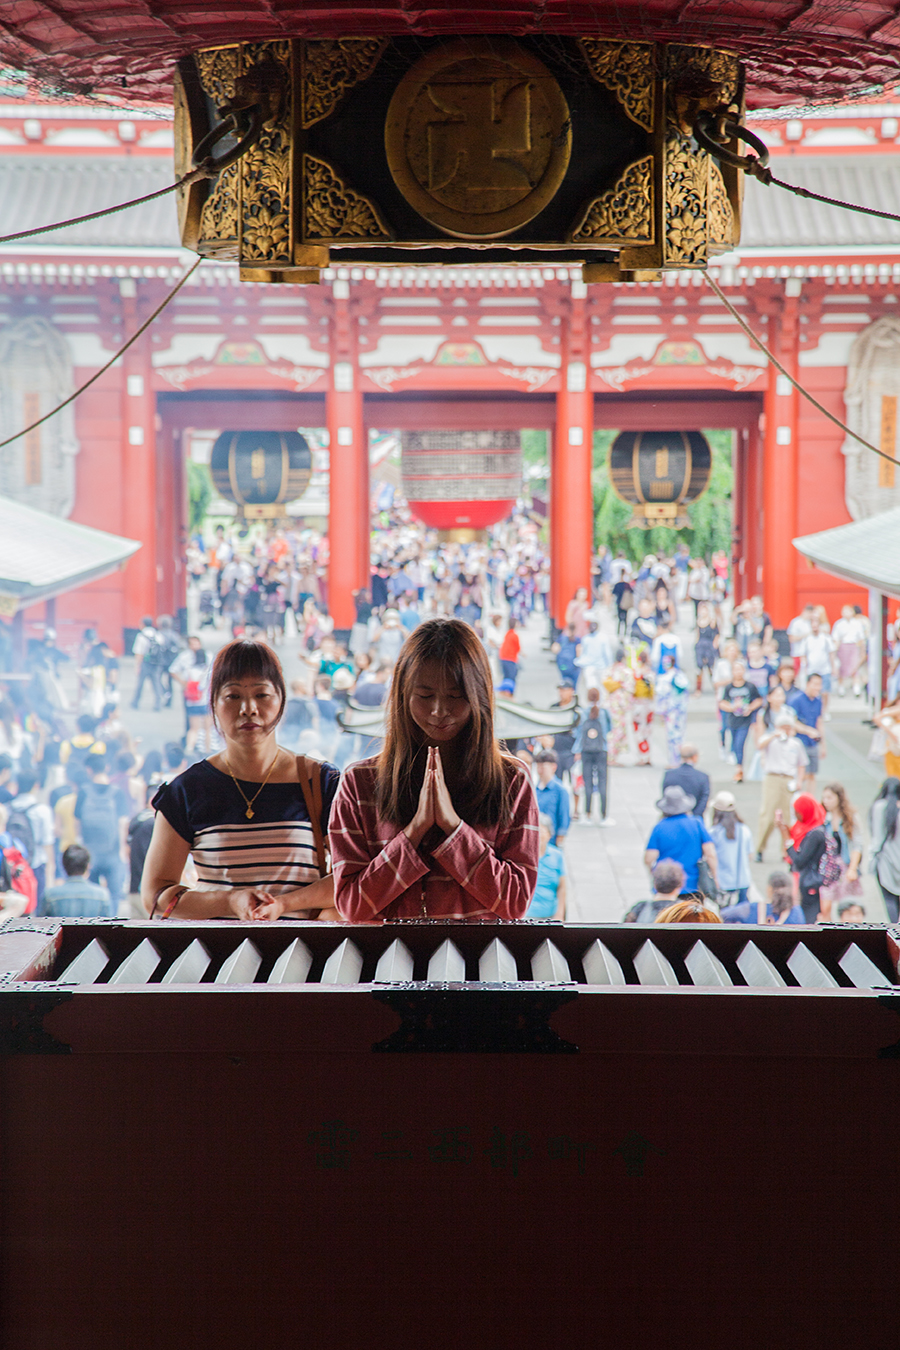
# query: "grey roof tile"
{"type": "Point", "coordinates": [864, 551]}
{"type": "Point", "coordinates": [42, 555]}
{"type": "Point", "coordinates": [36, 190]}
{"type": "Point", "coordinates": [775, 218]}
{"type": "Point", "coordinates": [42, 190]}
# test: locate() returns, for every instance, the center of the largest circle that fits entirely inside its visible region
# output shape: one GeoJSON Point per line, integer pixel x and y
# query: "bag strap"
{"type": "Point", "coordinates": [310, 774]}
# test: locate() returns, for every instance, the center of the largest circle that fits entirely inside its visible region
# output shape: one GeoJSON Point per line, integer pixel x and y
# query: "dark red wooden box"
{"type": "Point", "coordinates": [515, 1158]}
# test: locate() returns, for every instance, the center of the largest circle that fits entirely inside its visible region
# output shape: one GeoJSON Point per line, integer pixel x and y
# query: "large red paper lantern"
{"type": "Point", "coordinates": [461, 480]}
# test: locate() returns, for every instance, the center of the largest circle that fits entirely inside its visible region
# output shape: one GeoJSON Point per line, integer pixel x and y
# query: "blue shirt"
{"type": "Point", "coordinates": [551, 870]}
{"type": "Point", "coordinates": [77, 898]}
{"type": "Point", "coordinates": [567, 655]}
{"type": "Point", "coordinates": [680, 839]}
{"type": "Point", "coordinates": [553, 801]}
{"type": "Point", "coordinates": [733, 856]}
{"type": "Point", "coordinates": [808, 711]}
{"type": "Point", "coordinates": [748, 913]}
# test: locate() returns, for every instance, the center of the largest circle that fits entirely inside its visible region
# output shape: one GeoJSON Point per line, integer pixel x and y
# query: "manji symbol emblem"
{"type": "Point", "coordinates": [477, 137]}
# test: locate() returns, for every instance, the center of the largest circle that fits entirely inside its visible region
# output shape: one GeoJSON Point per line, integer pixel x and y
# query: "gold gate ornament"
{"type": "Point", "coordinates": [479, 149]}
{"type": "Point", "coordinates": [478, 137]}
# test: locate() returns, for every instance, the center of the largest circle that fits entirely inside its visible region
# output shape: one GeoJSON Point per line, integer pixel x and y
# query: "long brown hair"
{"type": "Point", "coordinates": [480, 789]}
{"type": "Point", "coordinates": [844, 809]}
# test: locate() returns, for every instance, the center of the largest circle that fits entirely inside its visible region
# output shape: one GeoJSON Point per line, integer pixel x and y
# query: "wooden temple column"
{"type": "Point", "coordinates": [748, 510]}
{"type": "Point", "coordinates": [571, 494]}
{"type": "Point", "coordinates": [752, 500]}
{"type": "Point", "coordinates": [171, 522]}
{"type": "Point", "coordinates": [138, 421]}
{"type": "Point", "coordinates": [780, 464]}
{"type": "Point", "coordinates": [739, 513]}
{"type": "Point", "coordinates": [348, 454]}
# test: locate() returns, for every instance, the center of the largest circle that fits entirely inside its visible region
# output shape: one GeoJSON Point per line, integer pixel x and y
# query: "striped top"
{"type": "Point", "coordinates": [275, 850]}
{"type": "Point", "coordinates": [476, 871]}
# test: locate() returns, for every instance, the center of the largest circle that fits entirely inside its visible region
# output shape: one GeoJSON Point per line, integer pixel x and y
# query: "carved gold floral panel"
{"type": "Point", "coordinates": [686, 174]}
{"type": "Point", "coordinates": [626, 70]}
{"type": "Point", "coordinates": [719, 211]}
{"type": "Point", "coordinates": [218, 236]}
{"type": "Point", "coordinates": [333, 211]}
{"type": "Point", "coordinates": [265, 207]}
{"type": "Point", "coordinates": [331, 69]}
{"type": "Point", "coordinates": [218, 70]}
{"type": "Point", "coordinates": [623, 214]}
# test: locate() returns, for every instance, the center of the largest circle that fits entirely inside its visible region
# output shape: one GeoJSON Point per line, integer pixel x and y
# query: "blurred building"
{"type": "Point", "coordinates": [397, 349]}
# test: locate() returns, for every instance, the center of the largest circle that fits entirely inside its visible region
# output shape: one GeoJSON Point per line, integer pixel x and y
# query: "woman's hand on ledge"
{"type": "Point", "coordinates": [246, 903]}
{"type": "Point", "coordinates": [318, 894]}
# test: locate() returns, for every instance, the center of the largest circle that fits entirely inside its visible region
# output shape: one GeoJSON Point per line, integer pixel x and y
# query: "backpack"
{"type": "Point", "coordinates": [21, 877]}
{"type": "Point", "coordinates": [594, 737]}
{"type": "Point", "coordinates": [78, 754]}
{"type": "Point", "coordinates": [100, 818]}
{"type": "Point", "coordinates": [831, 864]}
{"type": "Point", "coordinates": [20, 827]}
{"type": "Point", "coordinates": [161, 650]}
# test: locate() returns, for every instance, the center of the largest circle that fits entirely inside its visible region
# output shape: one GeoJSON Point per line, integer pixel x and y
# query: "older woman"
{"type": "Point", "coordinates": [254, 817]}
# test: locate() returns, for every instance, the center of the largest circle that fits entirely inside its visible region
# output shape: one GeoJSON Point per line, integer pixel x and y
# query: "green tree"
{"type": "Point", "coordinates": [710, 515]}
{"type": "Point", "coordinates": [535, 459]}
{"type": "Point", "coordinates": [200, 494]}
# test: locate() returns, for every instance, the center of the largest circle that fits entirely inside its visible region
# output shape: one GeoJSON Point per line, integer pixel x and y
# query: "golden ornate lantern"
{"type": "Point", "coordinates": [261, 471]}
{"type": "Point", "coordinates": [658, 472]}
{"type": "Point", "coordinates": [470, 149]}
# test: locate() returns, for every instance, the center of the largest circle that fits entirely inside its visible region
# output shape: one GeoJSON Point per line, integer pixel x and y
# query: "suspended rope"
{"type": "Point", "coordinates": [766, 176]}
{"type": "Point", "coordinates": [111, 362]}
{"type": "Point", "coordinates": [758, 342]}
{"type": "Point", "coordinates": [193, 177]}
{"type": "Point", "coordinates": [245, 122]}
{"type": "Point", "coordinates": [712, 130]}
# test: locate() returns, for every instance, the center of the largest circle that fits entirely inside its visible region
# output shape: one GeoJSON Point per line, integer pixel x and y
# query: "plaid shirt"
{"type": "Point", "coordinates": [477, 870]}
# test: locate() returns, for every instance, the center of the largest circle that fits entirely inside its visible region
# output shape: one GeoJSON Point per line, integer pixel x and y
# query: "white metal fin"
{"type": "Point", "coordinates": [758, 970]}
{"type": "Point", "coordinates": [241, 966]}
{"type": "Point", "coordinates": [497, 965]}
{"type": "Point", "coordinates": [652, 967]}
{"type": "Point", "coordinates": [447, 965]}
{"type": "Point", "coordinates": [292, 966]}
{"type": "Point", "coordinates": [861, 970]}
{"type": "Point", "coordinates": [87, 966]}
{"type": "Point", "coordinates": [394, 964]}
{"type": "Point", "coordinates": [808, 970]}
{"type": "Point", "coordinates": [549, 965]}
{"type": "Point", "coordinates": [138, 967]}
{"type": "Point", "coordinates": [705, 968]}
{"type": "Point", "coordinates": [600, 966]}
{"type": "Point", "coordinates": [344, 965]}
{"type": "Point", "coordinates": [190, 966]}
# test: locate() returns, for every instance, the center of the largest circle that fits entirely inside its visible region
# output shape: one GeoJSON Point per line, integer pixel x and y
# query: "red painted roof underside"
{"type": "Point", "coordinates": [796, 50]}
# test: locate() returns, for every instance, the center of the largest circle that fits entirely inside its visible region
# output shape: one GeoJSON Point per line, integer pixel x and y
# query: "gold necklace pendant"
{"type": "Point", "coordinates": [250, 813]}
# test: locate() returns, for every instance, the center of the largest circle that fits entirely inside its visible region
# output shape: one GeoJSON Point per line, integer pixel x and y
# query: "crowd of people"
{"type": "Point", "coordinates": [78, 798]}
{"type": "Point", "coordinates": [822, 852]}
